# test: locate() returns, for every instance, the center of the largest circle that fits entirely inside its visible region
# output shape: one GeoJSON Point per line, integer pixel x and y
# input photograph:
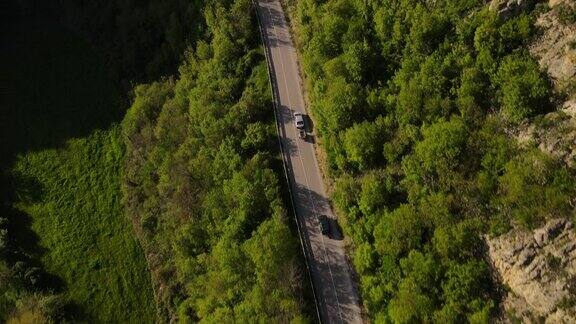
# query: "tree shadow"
{"type": "Point", "coordinates": [24, 248]}
{"type": "Point", "coordinates": [24, 241]}
{"type": "Point", "coordinates": [24, 188]}
{"type": "Point", "coordinates": [76, 313]}
{"type": "Point", "coordinates": [269, 17]}
{"type": "Point", "coordinates": [54, 87]}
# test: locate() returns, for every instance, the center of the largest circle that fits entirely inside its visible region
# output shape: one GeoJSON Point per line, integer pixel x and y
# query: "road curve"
{"type": "Point", "coordinates": [335, 292]}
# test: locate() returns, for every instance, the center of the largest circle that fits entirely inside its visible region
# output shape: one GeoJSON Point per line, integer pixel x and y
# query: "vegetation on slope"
{"type": "Point", "coordinates": [200, 182]}
{"type": "Point", "coordinates": [413, 100]}
{"type": "Point", "coordinates": [200, 163]}
{"type": "Point", "coordinates": [66, 249]}
{"type": "Point", "coordinates": [89, 243]}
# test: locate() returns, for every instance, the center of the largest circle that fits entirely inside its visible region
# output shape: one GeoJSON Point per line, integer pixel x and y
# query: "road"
{"type": "Point", "coordinates": [336, 294]}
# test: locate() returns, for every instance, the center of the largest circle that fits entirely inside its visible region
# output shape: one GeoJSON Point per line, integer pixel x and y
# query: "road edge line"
{"type": "Point", "coordinates": [274, 101]}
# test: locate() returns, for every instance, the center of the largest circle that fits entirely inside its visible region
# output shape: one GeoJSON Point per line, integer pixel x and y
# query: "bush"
{"type": "Point", "coordinates": [363, 144]}
{"type": "Point", "coordinates": [534, 187]}
{"type": "Point", "coordinates": [566, 13]}
{"type": "Point", "coordinates": [524, 91]}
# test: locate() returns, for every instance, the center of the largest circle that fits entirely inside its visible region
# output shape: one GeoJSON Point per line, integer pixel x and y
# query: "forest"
{"type": "Point", "coordinates": [414, 102]}
{"type": "Point", "coordinates": [140, 178]}
{"type": "Point", "coordinates": [139, 172]}
{"type": "Point", "coordinates": [201, 182]}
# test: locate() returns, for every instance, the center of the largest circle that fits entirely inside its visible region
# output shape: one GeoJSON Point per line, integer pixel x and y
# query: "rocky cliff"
{"type": "Point", "coordinates": [555, 50]}
{"type": "Point", "coordinates": [538, 269]}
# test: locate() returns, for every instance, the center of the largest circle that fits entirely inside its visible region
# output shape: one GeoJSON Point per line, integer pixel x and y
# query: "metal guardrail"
{"type": "Point", "coordinates": [276, 101]}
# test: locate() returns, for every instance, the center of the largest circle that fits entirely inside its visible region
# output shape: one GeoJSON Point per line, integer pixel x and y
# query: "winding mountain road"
{"type": "Point", "coordinates": [335, 293]}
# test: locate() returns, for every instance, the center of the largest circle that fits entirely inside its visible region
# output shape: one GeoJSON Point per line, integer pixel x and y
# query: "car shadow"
{"type": "Point", "coordinates": [310, 138]}
{"type": "Point", "coordinates": [309, 124]}
{"type": "Point", "coordinates": [335, 230]}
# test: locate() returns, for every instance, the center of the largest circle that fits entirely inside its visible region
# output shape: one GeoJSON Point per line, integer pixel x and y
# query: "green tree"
{"type": "Point", "coordinates": [377, 189]}
{"type": "Point", "coordinates": [341, 106]}
{"type": "Point", "coordinates": [363, 144]}
{"type": "Point", "coordinates": [398, 232]}
{"type": "Point", "coordinates": [438, 157]}
{"type": "Point", "coordinates": [471, 95]}
{"type": "Point", "coordinates": [415, 301]}
{"type": "Point", "coordinates": [255, 137]}
{"type": "Point", "coordinates": [463, 290]}
{"type": "Point", "coordinates": [524, 89]}
{"type": "Point", "coordinates": [460, 242]}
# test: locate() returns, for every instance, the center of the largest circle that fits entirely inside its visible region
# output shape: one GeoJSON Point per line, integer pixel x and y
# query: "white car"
{"type": "Point", "coordinates": [299, 120]}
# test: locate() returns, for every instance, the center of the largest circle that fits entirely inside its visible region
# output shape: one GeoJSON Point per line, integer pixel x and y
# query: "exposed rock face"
{"type": "Point", "coordinates": [510, 8]}
{"type": "Point", "coordinates": [539, 267]}
{"type": "Point", "coordinates": [555, 49]}
{"type": "Point", "coordinates": [554, 133]}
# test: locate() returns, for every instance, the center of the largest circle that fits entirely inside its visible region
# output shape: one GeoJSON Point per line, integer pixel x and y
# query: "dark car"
{"type": "Point", "coordinates": [324, 224]}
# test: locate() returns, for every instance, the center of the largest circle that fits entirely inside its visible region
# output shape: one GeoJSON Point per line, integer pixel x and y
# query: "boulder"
{"type": "Point", "coordinates": [543, 235]}
{"type": "Point", "coordinates": [507, 9]}
{"type": "Point", "coordinates": [526, 256]}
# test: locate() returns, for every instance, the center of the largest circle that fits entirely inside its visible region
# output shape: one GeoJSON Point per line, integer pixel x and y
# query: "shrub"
{"type": "Point", "coordinates": [524, 91]}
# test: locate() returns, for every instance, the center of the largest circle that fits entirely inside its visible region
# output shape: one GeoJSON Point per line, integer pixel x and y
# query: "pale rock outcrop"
{"type": "Point", "coordinates": [555, 48]}
{"type": "Point", "coordinates": [554, 133]}
{"type": "Point", "coordinates": [510, 8]}
{"type": "Point", "coordinates": [539, 268]}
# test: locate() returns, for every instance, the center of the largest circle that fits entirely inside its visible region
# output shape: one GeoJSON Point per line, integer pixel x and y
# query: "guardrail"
{"type": "Point", "coordinates": [276, 101]}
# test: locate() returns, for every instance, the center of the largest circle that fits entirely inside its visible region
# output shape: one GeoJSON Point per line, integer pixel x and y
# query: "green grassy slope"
{"type": "Point", "coordinates": [78, 217]}
{"type": "Point", "coordinates": [59, 145]}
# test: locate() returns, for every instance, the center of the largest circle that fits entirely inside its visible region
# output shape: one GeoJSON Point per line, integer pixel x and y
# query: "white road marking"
{"type": "Point", "coordinates": [270, 65]}
{"type": "Point", "coordinates": [304, 168]}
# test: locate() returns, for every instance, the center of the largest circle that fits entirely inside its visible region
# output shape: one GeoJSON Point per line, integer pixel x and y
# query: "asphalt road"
{"type": "Point", "coordinates": [334, 288]}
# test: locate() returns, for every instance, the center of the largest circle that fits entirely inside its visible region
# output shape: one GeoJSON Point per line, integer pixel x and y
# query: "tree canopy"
{"type": "Point", "coordinates": [413, 101]}
{"type": "Point", "coordinates": [201, 182]}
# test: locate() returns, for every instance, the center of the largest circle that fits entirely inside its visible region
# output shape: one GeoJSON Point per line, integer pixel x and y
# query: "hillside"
{"type": "Point", "coordinates": [66, 249]}
{"type": "Point", "coordinates": [537, 267]}
{"type": "Point", "coordinates": [416, 105]}
{"type": "Point", "coordinates": [202, 183]}
{"type": "Point", "coordinates": [194, 156]}
{"type": "Point", "coordinates": [141, 178]}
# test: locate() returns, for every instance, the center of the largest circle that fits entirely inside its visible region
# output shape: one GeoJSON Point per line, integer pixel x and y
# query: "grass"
{"type": "Point", "coordinates": [60, 148]}
{"type": "Point", "coordinates": [76, 212]}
